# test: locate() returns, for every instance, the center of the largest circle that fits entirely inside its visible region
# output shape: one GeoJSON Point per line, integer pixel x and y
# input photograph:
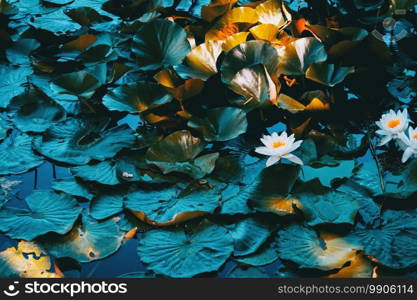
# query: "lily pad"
{"type": "Point", "coordinates": [27, 260]}
{"type": "Point", "coordinates": [302, 246]}
{"type": "Point", "coordinates": [138, 97]}
{"type": "Point", "coordinates": [248, 235]}
{"type": "Point", "coordinates": [11, 82]}
{"type": "Point", "coordinates": [247, 272]}
{"type": "Point", "coordinates": [76, 141]}
{"type": "Point", "coordinates": [79, 83]}
{"type": "Point", "coordinates": [328, 74]}
{"type": "Point", "coordinates": [86, 242]}
{"type": "Point", "coordinates": [265, 255]}
{"type": "Point", "coordinates": [174, 253]}
{"type": "Point", "coordinates": [159, 44]}
{"type": "Point", "coordinates": [16, 154]}
{"type": "Point", "coordinates": [221, 124]}
{"type": "Point", "coordinates": [47, 212]}
{"type": "Point", "coordinates": [73, 187]}
{"type": "Point", "coordinates": [246, 55]}
{"type": "Point", "coordinates": [166, 206]}
{"type": "Point", "coordinates": [296, 57]}
{"type": "Point", "coordinates": [34, 113]}
{"type": "Point", "coordinates": [106, 205]}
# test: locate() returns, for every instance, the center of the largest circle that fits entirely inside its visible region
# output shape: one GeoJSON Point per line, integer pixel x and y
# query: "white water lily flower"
{"type": "Point", "coordinates": [392, 125]}
{"type": "Point", "coordinates": [411, 143]}
{"type": "Point", "coordinates": [279, 146]}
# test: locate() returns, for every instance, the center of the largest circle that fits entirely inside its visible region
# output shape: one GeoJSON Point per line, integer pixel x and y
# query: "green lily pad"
{"type": "Point", "coordinates": [159, 44]}
{"type": "Point", "coordinates": [221, 124]}
{"type": "Point", "coordinates": [34, 113]}
{"type": "Point", "coordinates": [174, 253]}
{"type": "Point", "coordinates": [77, 142]}
{"type": "Point", "coordinates": [73, 187]}
{"type": "Point", "coordinates": [12, 80]}
{"type": "Point", "coordinates": [138, 97]}
{"type": "Point", "coordinates": [246, 55]}
{"type": "Point", "coordinates": [178, 153]}
{"type": "Point", "coordinates": [17, 156]}
{"type": "Point", "coordinates": [86, 242]}
{"type": "Point", "coordinates": [169, 205]}
{"type": "Point", "coordinates": [296, 57]}
{"type": "Point", "coordinates": [48, 212]}
{"type": "Point", "coordinates": [328, 74]}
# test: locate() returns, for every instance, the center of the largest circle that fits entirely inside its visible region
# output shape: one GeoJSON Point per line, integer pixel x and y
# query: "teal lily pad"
{"type": "Point", "coordinates": [403, 184]}
{"type": "Point", "coordinates": [77, 142]}
{"type": "Point", "coordinates": [221, 124]}
{"type": "Point", "coordinates": [106, 205]}
{"type": "Point", "coordinates": [79, 83]}
{"type": "Point", "coordinates": [265, 255]}
{"type": "Point", "coordinates": [247, 272]}
{"type": "Point", "coordinates": [330, 207]}
{"type": "Point", "coordinates": [104, 172]}
{"type": "Point", "coordinates": [247, 55]}
{"type": "Point", "coordinates": [12, 80]}
{"type": "Point", "coordinates": [393, 242]}
{"type": "Point", "coordinates": [248, 235]}
{"type": "Point", "coordinates": [5, 127]}
{"type": "Point", "coordinates": [160, 43]}
{"type": "Point", "coordinates": [175, 253]}
{"type": "Point", "coordinates": [169, 205]}
{"type": "Point", "coordinates": [17, 156]}
{"type": "Point", "coordinates": [138, 97]}
{"type": "Point", "coordinates": [47, 212]}
{"type": "Point", "coordinates": [328, 74]}
{"type": "Point", "coordinates": [86, 242]}
{"type": "Point", "coordinates": [303, 246]}
{"type": "Point", "coordinates": [34, 113]}
{"type": "Point", "coordinates": [73, 187]}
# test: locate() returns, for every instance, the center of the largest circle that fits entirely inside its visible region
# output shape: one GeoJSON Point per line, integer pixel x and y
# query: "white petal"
{"type": "Point", "coordinates": [407, 154]}
{"type": "Point", "coordinates": [264, 151]}
{"type": "Point", "coordinates": [385, 140]}
{"type": "Point", "coordinates": [294, 159]}
{"type": "Point", "coordinates": [403, 138]}
{"type": "Point", "coordinates": [296, 145]}
{"type": "Point", "coordinates": [382, 132]}
{"type": "Point", "coordinates": [272, 160]}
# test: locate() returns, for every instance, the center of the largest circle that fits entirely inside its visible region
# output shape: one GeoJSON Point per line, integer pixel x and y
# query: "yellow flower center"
{"type": "Point", "coordinates": [278, 144]}
{"type": "Point", "coordinates": [393, 123]}
{"type": "Point", "coordinates": [415, 136]}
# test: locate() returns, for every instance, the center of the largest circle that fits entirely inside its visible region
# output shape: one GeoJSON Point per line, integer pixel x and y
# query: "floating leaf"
{"type": "Point", "coordinates": [167, 206]}
{"type": "Point", "coordinates": [11, 82]}
{"type": "Point", "coordinates": [248, 235]}
{"type": "Point", "coordinates": [16, 154]}
{"type": "Point", "coordinates": [242, 272]}
{"type": "Point", "coordinates": [106, 205]}
{"type": "Point", "coordinates": [205, 250]}
{"type": "Point", "coordinates": [34, 113]}
{"type": "Point", "coordinates": [76, 141]}
{"type": "Point", "coordinates": [86, 242]}
{"type": "Point", "coordinates": [296, 57]}
{"type": "Point", "coordinates": [302, 246]}
{"type": "Point", "coordinates": [204, 58]}
{"type": "Point", "coordinates": [27, 260]}
{"type": "Point", "coordinates": [159, 44]}
{"type": "Point", "coordinates": [72, 187]}
{"type": "Point", "coordinates": [265, 255]}
{"type": "Point", "coordinates": [221, 124]}
{"type": "Point", "coordinates": [48, 212]}
{"type": "Point", "coordinates": [248, 54]}
{"type": "Point", "coordinates": [328, 74]}
{"type": "Point", "coordinates": [79, 83]}
{"type": "Point", "coordinates": [273, 12]}
{"type": "Point", "coordinates": [137, 97]}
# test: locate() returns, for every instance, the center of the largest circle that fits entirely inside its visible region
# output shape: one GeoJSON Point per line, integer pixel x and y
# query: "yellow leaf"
{"type": "Point", "coordinates": [290, 104]}
{"type": "Point", "coordinates": [204, 57]}
{"type": "Point", "coordinates": [81, 43]}
{"type": "Point", "coordinates": [234, 40]}
{"type": "Point", "coordinates": [265, 32]}
{"type": "Point", "coordinates": [216, 8]}
{"type": "Point", "coordinates": [269, 12]}
{"type": "Point", "coordinates": [317, 104]}
{"type": "Point", "coordinates": [240, 15]}
{"type": "Point", "coordinates": [28, 260]}
{"type": "Point", "coordinates": [282, 206]}
{"type": "Point", "coordinates": [359, 267]}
